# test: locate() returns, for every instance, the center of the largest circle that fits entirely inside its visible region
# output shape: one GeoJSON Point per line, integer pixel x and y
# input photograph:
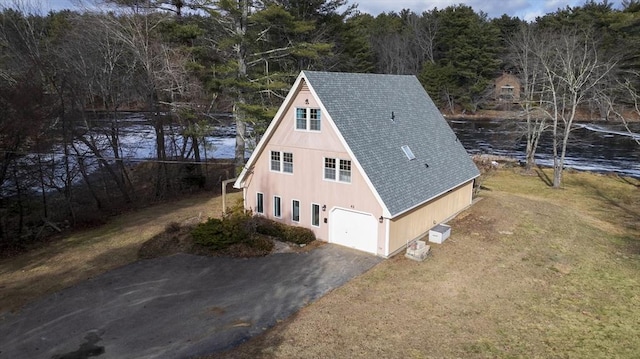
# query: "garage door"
{"type": "Point", "coordinates": [354, 229]}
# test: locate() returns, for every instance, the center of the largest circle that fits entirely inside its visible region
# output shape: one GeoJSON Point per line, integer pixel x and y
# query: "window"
{"type": "Point", "coordinates": [259, 203]}
{"type": "Point", "coordinates": [407, 151]}
{"type": "Point", "coordinates": [308, 119]}
{"type": "Point", "coordinates": [301, 119]}
{"type": "Point", "coordinates": [295, 210]}
{"type": "Point", "coordinates": [330, 168]}
{"type": "Point", "coordinates": [344, 174]}
{"type": "Point", "coordinates": [287, 162]}
{"type": "Point", "coordinates": [314, 119]}
{"type": "Point", "coordinates": [315, 215]}
{"type": "Point", "coordinates": [277, 208]}
{"type": "Point", "coordinates": [275, 161]}
{"type": "Point", "coordinates": [282, 161]}
{"type": "Point", "coordinates": [345, 171]}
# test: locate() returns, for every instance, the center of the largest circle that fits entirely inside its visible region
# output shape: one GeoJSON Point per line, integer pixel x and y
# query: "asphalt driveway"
{"type": "Point", "coordinates": [176, 307]}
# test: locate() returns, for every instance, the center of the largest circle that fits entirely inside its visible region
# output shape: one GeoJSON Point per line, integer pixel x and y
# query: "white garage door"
{"type": "Point", "coordinates": [354, 229]}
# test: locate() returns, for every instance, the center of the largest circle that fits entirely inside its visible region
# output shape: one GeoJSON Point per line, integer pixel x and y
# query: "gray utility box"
{"type": "Point", "coordinates": [439, 233]}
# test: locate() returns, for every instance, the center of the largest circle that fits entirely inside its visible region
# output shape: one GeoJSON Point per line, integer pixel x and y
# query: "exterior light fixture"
{"type": "Point", "coordinates": [306, 101]}
{"type": "Point", "coordinates": [324, 207]}
{"type": "Point", "coordinates": [380, 219]}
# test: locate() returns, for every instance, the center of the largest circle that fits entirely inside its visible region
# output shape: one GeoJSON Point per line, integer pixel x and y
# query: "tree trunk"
{"type": "Point", "coordinates": [241, 57]}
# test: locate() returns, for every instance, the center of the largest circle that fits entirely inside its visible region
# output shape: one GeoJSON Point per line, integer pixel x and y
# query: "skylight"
{"type": "Point", "coordinates": [407, 151]}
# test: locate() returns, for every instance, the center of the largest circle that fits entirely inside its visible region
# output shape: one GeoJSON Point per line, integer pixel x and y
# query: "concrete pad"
{"type": "Point", "coordinates": [176, 307]}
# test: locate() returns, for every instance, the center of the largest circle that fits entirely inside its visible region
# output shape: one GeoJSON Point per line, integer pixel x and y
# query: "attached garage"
{"type": "Point", "coordinates": [353, 229]}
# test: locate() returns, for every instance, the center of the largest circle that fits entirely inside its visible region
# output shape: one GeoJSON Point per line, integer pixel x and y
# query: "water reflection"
{"type": "Point", "coordinates": [598, 147]}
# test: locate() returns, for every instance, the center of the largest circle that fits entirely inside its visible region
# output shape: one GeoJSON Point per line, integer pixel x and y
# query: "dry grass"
{"type": "Point", "coordinates": [528, 272]}
{"type": "Point", "coordinates": [85, 254]}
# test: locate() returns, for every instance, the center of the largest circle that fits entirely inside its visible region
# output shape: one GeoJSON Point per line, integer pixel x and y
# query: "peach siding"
{"type": "Point", "coordinates": [306, 184]}
{"type": "Point", "coordinates": [417, 223]}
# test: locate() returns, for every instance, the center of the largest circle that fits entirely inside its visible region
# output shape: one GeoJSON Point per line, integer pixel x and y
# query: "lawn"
{"type": "Point", "coordinates": [528, 272]}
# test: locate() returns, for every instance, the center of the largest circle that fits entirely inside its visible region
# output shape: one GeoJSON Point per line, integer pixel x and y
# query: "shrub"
{"type": "Point", "coordinates": [270, 228]}
{"type": "Point", "coordinates": [299, 235]}
{"type": "Point", "coordinates": [221, 233]}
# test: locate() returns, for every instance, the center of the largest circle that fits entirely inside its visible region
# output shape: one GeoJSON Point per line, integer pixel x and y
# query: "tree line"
{"type": "Point", "coordinates": [181, 61]}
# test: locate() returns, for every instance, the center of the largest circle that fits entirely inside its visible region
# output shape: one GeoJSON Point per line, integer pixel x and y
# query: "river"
{"type": "Point", "coordinates": [598, 147]}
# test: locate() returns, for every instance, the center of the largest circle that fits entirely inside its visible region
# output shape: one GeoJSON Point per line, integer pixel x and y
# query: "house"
{"type": "Point", "coordinates": [364, 160]}
{"type": "Point", "coordinates": [507, 88]}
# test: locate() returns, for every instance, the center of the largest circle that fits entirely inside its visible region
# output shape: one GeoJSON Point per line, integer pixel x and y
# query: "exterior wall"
{"type": "Point", "coordinates": [416, 223]}
{"type": "Point", "coordinates": [507, 80]}
{"type": "Point", "coordinates": [306, 184]}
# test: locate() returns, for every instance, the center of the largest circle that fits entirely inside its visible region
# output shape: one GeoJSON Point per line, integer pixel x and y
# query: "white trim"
{"type": "Point", "coordinates": [292, 210]}
{"type": "Point", "coordinates": [319, 216]}
{"type": "Point", "coordinates": [259, 193]}
{"type": "Point", "coordinates": [273, 208]}
{"type": "Point", "coordinates": [354, 160]}
{"type": "Point", "coordinates": [275, 122]}
{"type": "Point", "coordinates": [307, 117]}
{"type": "Point", "coordinates": [387, 224]}
{"type": "Point", "coordinates": [336, 179]}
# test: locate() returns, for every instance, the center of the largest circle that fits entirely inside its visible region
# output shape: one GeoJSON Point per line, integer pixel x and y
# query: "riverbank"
{"type": "Point", "coordinates": [630, 116]}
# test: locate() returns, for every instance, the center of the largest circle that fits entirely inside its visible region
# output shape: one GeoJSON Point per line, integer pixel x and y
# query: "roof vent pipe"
{"type": "Point", "coordinates": [393, 116]}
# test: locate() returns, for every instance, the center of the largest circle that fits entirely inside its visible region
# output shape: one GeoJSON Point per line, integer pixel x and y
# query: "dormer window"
{"type": "Point", "coordinates": [308, 119]}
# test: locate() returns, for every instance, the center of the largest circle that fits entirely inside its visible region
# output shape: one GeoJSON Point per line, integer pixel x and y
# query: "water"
{"type": "Point", "coordinates": [598, 147]}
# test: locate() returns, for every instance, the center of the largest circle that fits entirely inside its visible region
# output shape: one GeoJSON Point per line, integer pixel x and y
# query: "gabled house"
{"type": "Point", "coordinates": [507, 88]}
{"type": "Point", "coordinates": [364, 160]}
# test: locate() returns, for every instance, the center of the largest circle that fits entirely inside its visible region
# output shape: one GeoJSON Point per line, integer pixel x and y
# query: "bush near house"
{"type": "Point", "coordinates": [293, 234]}
{"type": "Point", "coordinates": [239, 227]}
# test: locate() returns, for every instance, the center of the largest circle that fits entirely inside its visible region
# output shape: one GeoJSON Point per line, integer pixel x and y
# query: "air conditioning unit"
{"type": "Point", "coordinates": [439, 233]}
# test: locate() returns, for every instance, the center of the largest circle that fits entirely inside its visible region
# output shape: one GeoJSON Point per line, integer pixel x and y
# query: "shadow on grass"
{"type": "Point", "coordinates": [543, 176]}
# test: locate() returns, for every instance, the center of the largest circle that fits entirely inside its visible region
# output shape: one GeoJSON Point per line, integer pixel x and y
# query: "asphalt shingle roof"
{"type": "Point", "coordinates": [361, 105]}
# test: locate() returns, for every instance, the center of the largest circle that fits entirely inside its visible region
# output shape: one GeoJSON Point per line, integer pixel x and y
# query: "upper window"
{"type": "Point", "coordinates": [308, 119]}
{"type": "Point", "coordinates": [282, 161]}
{"type": "Point", "coordinates": [341, 173]}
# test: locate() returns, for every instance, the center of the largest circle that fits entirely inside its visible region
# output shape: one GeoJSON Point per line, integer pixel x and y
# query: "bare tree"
{"type": "Point", "coordinates": [523, 45]}
{"type": "Point", "coordinates": [571, 69]}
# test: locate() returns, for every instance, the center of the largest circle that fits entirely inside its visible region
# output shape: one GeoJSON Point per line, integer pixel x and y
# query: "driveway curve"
{"type": "Point", "coordinates": [176, 307]}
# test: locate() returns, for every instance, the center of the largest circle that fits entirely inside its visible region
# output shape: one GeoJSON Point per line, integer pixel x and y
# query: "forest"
{"type": "Point", "coordinates": [67, 78]}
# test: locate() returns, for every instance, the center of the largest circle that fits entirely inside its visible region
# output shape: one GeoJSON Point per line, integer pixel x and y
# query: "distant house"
{"type": "Point", "coordinates": [507, 88]}
{"type": "Point", "coordinates": [364, 160]}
